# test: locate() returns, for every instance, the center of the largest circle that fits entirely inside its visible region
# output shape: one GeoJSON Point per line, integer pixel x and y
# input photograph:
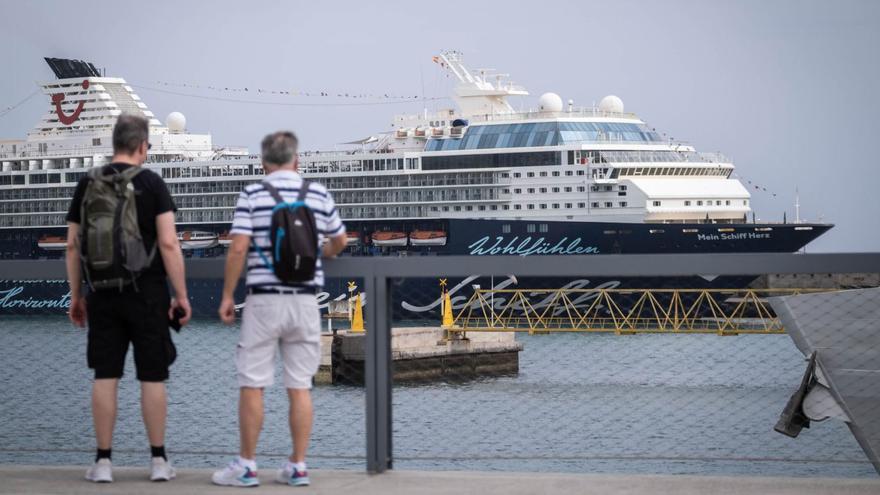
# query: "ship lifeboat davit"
{"type": "Point", "coordinates": [197, 239]}
{"type": "Point", "coordinates": [352, 238]}
{"type": "Point", "coordinates": [389, 239]}
{"type": "Point", "coordinates": [52, 242]}
{"type": "Point", "coordinates": [427, 238]}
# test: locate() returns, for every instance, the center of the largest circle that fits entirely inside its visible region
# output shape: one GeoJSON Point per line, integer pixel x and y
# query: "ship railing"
{"type": "Point", "coordinates": [580, 112]}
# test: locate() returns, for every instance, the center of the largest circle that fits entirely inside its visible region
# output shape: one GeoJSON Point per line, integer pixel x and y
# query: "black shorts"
{"type": "Point", "coordinates": [117, 318]}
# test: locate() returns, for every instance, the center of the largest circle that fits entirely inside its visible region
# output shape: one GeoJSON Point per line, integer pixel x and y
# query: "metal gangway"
{"type": "Point", "coordinates": [621, 311]}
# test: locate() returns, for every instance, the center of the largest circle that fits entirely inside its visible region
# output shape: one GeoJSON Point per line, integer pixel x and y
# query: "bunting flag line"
{"type": "Point", "coordinates": [326, 93]}
{"type": "Point", "coordinates": [330, 103]}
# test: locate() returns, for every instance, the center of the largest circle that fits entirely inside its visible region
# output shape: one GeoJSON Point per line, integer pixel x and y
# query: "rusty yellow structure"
{"type": "Point", "coordinates": [672, 311]}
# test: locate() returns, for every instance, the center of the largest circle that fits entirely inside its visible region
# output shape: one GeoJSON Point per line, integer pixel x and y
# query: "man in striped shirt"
{"type": "Point", "coordinates": [276, 315]}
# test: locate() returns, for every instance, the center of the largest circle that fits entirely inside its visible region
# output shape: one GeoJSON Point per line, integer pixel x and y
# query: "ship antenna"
{"type": "Point", "coordinates": [797, 205]}
{"type": "Point", "coordinates": [424, 102]}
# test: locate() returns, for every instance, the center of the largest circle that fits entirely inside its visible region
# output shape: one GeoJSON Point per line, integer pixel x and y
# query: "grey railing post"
{"type": "Point", "coordinates": [377, 373]}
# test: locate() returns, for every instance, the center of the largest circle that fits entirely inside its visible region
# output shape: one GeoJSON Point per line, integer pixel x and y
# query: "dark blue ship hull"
{"type": "Point", "coordinates": [419, 298]}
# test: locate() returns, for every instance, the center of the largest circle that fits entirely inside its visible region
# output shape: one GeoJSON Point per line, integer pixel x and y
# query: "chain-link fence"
{"type": "Point", "coordinates": [632, 374]}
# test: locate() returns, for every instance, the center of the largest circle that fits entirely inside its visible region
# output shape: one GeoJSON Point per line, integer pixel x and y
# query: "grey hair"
{"type": "Point", "coordinates": [279, 148]}
{"type": "Point", "coordinates": [129, 133]}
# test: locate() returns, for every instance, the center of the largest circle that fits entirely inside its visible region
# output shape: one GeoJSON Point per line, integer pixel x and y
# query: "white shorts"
{"type": "Point", "coordinates": [291, 323]}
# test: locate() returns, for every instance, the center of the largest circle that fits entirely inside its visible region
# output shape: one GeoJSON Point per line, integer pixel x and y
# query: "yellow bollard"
{"type": "Point", "coordinates": [447, 311]}
{"type": "Point", "coordinates": [357, 321]}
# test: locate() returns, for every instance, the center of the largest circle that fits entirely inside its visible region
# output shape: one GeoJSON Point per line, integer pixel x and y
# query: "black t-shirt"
{"type": "Point", "coordinates": [151, 199]}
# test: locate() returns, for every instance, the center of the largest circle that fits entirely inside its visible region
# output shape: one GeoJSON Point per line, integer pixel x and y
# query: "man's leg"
{"type": "Point", "coordinates": [154, 407]}
{"type": "Point", "coordinates": [301, 414]}
{"type": "Point", "coordinates": [104, 410]}
{"type": "Point", "coordinates": [250, 420]}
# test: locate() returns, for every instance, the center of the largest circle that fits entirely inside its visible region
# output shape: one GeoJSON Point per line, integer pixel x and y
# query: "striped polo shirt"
{"type": "Point", "coordinates": [253, 214]}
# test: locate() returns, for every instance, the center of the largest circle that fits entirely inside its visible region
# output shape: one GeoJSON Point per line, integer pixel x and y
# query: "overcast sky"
{"type": "Point", "coordinates": [788, 89]}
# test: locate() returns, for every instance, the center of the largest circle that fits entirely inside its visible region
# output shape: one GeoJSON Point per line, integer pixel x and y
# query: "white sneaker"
{"type": "Point", "coordinates": [101, 471]}
{"type": "Point", "coordinates": [289, 475]}
{"type": "Point", "coordinates": [234, 474]}
{"type": "Point", "coordinates": [161, 470]}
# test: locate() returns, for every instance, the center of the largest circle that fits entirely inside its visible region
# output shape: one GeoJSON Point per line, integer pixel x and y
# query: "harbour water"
{"type": "Point", "coordinates": [696, 404]}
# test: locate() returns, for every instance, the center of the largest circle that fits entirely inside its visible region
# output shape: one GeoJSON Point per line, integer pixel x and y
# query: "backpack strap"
{"type": "Point", "coordinates": [273, 192]}
{"type": "Point", "coordinates": [303, 191]}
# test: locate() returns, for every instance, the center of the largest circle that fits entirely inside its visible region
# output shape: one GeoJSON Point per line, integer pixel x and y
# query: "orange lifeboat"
{"type": "Point", "coordinates": [52, 242]}
{"type": "Point", "coordinates": [427, 238]}
{"type": "Point", "coordinates": [390, 238]}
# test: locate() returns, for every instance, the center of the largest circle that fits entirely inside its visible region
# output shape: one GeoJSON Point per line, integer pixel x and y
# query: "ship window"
{"type": "Point", "coordinates": [469, 208]}
{"type": "Point", "coordinates": [581, 205]}
{"type": "Point", "coordinates": [727, 203]}
{"type": "Point", "coordinates": [543, 206]}
{"type": "Point", "coordinates": [530, 190]}
{"type": "Point", "coordinates": [581, 172]}
{"type": "Point", "coordinates": [517, 207]}
{"type": "Point", "coordinates": [745, 202]}
{"type": "Point", "coordinates": [530, 174]}
{"type": "Point", "coordinates": [567, 189]}
{"type": "Point", "coordinates": [506, 191]}
{"type": "Point", "coordinates": [581, 188]}
{"type": "Point", "coordinates": [621, 193]}
{"type": "Point", "coordinates": [555, 174]}
{"type": "Point", "coordinates": [687, 203]}
{"type": "Point", "coordinates": [530, 228]}
{"type": "Point", "coordinates": [555, 206]}
{"type": "Point", "coordinates": [531, 207]}
{"type": "Point", "coordinates": [594, 188]}
{"type": "Point", "coordinates": [505, 229]}
{"type": "Point", "coordinates": [608, 188]}
{"type": "Point", "coordinates": [622, 204]}
{"type": "Point", "coordinates": [516, 175]}
{"type": "Point", "coordinates": [656, 203]}
{"type": "Point", "coordinates": [96, 141]}
{"type": "Point", "coordinates": [594, 204]}
{"type": "Point", "coordinates": [543, 228]}
{"type": "Point", "coordinates": [543, 174]}
{"type": "Point", "coordinates": [555, 189]}
{"type": "Point", "coordinates": [493, 207]}
{"type": "Point", "coordinates": [700, 203]}
{"type": "Point", "coordinates": [505, 207]}
{"type": "Point", "coordinates": [718, 202]}
{"type": "Point", "coordinates": [481, 208]}
{"type": "Point", "coordinates": [569, 173]}
{"type": "Point", "coordinates": [517, 190]}
{"type": "Point", "coordinates": [568, 205]}
{"type": "Point", "coordinates": [622, 188]}
{"type": "Point", "coordinates": [608, 204]}
{"type": "Point", "coordinates": [543, 189]}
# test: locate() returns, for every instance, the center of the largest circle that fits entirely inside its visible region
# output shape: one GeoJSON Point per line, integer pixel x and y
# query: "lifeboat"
{"type": "Point", "coordinates": [52, 242]}
{"type": "Point", "coordinates": [437, 131]}
{"type": "Point", "coordinates": [352, 238]}
{"type": "Point", "coordinates": [427, 238]}
{"type": "Point", "coordinates": [402, 133]}
{"type": "Point", "coordinates": [389, 239]}
{"type": "Point", "coordinates": [224, 239]}
{"type": "Point", "coordinates": [419, 132]}
{"type": "Point", "coordinates": [197, 239]}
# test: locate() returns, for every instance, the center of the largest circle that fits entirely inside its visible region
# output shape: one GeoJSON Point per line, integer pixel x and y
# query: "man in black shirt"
{"type": "Point", "coordinates": [137, 313]}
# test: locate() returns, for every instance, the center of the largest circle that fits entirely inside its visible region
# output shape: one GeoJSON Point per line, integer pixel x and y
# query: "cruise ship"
{"type": "Point", "coordinates": [480, 179]}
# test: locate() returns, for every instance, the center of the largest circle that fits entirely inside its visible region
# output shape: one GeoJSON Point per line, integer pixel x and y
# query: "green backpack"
{"type": "Point", "coordinates": [111, 245]}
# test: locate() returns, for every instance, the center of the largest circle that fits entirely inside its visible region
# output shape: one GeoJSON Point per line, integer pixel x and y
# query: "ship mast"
{"type": "Point", "coordinates": [476, 94]}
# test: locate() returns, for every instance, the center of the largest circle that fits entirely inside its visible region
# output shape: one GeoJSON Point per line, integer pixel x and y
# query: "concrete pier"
{"type": "Point", "coordinates": [421, 354]}
{"type": "Point", "coordinates": [129, 480]}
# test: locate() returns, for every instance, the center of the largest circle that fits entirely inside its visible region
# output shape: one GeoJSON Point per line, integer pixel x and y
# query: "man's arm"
{"type": "Point", "coordinates": [77, 311]}
{"type": "Point", "coordinates": [334, 245]}
{"type": "Point", "coordinates": [172, 258]}
{"type": "Point", "coordinates": [235, 258]}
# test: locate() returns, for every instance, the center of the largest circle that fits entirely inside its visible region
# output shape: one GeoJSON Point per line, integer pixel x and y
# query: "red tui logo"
{"type": "Point", "coordinates": [64, 118]}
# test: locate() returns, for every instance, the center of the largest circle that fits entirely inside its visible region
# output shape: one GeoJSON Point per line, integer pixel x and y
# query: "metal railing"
{"type": "Point", "coordinates": [377, 274]}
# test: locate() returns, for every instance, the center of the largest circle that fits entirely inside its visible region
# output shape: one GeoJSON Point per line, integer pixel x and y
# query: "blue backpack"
{"type": "Point", "coordinates": [294, 238]}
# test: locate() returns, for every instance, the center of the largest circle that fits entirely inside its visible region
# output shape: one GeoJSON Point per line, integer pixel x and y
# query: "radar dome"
{"type": "Point", "coordinates": [176, 122]}
{"type": "Point", "coordinates": [550, 102]}
{"type": "Point", "coordinates": [611, 104]}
